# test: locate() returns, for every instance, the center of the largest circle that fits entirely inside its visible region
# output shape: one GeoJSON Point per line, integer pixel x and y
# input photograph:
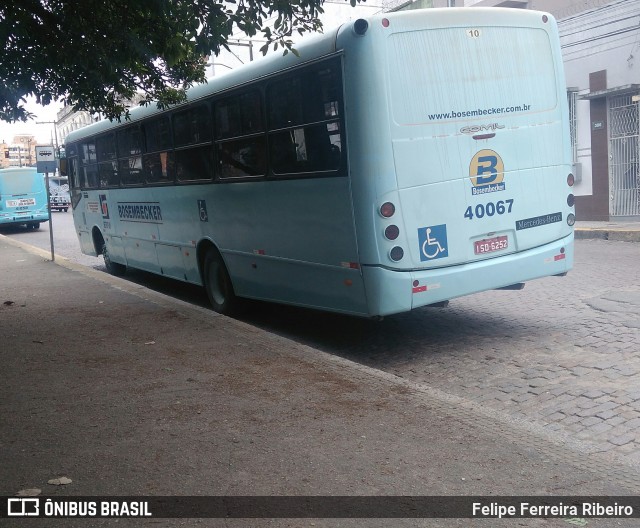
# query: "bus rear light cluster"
{"type": "Point", "coordinates": [571, 200]}
{"type": "Point", "coordinates": [571, 219]}
{"type": "Point", "coordinates": [396, 253]}
{"type": "Point", "coordinates": [571, 179]}
{"type": "Point", "coordinates": [387, 210]}
{"type": "Point", "coordinates": [392, 232]}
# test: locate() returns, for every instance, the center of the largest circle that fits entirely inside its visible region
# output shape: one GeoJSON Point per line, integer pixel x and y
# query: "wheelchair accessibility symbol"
{"type": "Point", "coordinates": [433, 242]}
{"type": "Point", "coordinates": [202, 211]}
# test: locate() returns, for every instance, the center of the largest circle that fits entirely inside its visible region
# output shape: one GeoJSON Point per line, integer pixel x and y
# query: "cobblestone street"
{"type": "Point", "coordinates": [561, 356]}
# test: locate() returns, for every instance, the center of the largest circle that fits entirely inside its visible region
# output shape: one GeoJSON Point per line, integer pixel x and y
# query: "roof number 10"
{"type": "Point", "coordinates": [473, 33]}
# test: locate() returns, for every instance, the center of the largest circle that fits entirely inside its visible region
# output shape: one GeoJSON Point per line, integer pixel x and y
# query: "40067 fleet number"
{"type": "Point", "coordinates": [489, 209]}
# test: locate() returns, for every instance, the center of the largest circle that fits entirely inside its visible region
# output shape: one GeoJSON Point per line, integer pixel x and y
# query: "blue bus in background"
{"type": "Point", "coordinates": [23, 197]}
{"type": "Point", "coordinates": [392, 163]}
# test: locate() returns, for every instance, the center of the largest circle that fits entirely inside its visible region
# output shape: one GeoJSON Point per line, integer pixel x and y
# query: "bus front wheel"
{"type": "Point", "coordinates": [114, 268]}
{"type": "Point", "coordinates": [218, 284]}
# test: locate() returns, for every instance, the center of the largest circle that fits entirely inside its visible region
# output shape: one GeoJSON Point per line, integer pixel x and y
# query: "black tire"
{"type": "Point", "coordinates": [218, 284]}
{"type": "Point", "coordinates": [114, 268]}
{"type": "Point", "coordinates": [35, 225]}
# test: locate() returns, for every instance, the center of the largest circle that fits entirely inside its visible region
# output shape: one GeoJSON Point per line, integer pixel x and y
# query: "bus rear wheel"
{"type": "Point", "coordinates": [218, 284]}
{"type": "Point", "coordinates": [114, 268]}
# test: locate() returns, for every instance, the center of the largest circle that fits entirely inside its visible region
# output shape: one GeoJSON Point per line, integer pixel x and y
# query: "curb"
{"type": "Point", "coordinates": [619, 235]}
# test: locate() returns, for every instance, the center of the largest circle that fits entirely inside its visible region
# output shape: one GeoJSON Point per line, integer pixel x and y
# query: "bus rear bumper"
{"type": "Point", "coordinates": [9, 219]}
{"type": "Point", "coordinates": [390, 291]}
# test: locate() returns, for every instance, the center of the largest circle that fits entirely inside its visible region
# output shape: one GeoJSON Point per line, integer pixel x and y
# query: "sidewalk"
{"type": "Point", "coordinates": [128, 392]}
{"type": "Point", "coordinates": [622, 231]}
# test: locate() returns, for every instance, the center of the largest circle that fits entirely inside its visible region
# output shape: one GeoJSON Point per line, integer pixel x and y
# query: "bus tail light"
{"type": "Point", "coordinates": [392, 232]}
{"type": "Point", "coordinates": [387, 209]}
{"type": "Point", "coordinates": [396, 253]}
{"type": "Point", "coordinates": [571, 219]}
{"type": "Point", "coordinates": [571, 180]}
{"type": "Point", "coordinates": [571, 200]}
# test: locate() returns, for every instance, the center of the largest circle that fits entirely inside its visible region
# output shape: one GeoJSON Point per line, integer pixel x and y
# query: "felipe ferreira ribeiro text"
{"type": "Point", "coordinates": [525, 509]}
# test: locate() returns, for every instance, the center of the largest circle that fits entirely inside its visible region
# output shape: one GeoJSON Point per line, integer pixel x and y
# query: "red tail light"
{"type": "Point", "coordinates": [387, 209]}
{"type": "Point", "coordinates": [396, 253]}
{"type": "Point", "coordinates": [392, 232]}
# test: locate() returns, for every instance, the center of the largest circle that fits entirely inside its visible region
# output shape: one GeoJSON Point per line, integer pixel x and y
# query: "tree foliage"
{"type": "Point", "coordinates": [94, 54]}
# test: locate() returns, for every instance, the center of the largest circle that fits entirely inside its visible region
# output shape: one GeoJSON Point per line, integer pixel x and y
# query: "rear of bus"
{"type": "Point", "coordinates": [459, 153]}
{"type": "Point", "coordinates": [23, 197]}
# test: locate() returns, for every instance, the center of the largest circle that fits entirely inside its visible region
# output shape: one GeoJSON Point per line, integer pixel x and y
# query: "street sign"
{"type": "Point", "coordinates": [46, 163]}
{"type": "Point", "coordinates": [45, 159]}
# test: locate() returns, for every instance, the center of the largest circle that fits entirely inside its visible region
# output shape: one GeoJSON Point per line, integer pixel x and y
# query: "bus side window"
{"type": "Point", "coordinates": [88, 165]}
{"type": "Point", "coordinates": [72, 172]}
{"type": "Point", "coordinates": [304, 121]}
{"type": "Point", "coordinates": [283, 152]}
{"type": "Point", "coordinates": [158, 161]}
{"type": "Point", "coordinates": [240, 139]}
{"type": "Point", "coordinates": [242, 158]}
{"type": "Point", "coordinates": [285, 103]}
{"type": "Point", "coordinates": [192, 142]}
{"type": "Point", "coordinates": [130, 156]}
{"type": "Point", "coordinates": [158, 167]}
{"type": "Point", "coordinates": [107, 164]}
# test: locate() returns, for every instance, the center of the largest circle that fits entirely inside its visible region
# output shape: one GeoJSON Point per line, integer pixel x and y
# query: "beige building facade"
{"type": "Point", "coordinates": [21, 152]}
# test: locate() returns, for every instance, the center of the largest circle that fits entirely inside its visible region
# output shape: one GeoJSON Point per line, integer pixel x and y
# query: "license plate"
{"type": "Point", "coordinates": [21, 203]}
{"type": "Point", "coordinates": [489, 245]}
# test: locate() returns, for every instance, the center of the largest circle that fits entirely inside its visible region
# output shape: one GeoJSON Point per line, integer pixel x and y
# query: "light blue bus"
{"type": "Point", "coordinates": [398, 162]}
{"type": "Point", "coordinates": [23, 197]}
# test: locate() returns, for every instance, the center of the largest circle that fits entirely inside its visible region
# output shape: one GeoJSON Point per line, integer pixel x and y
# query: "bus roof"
{"type": "Point", "coordinates": [18, 170]}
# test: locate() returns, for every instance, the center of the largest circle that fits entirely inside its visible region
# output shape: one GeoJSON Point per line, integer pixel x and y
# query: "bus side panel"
{"type": "Point", "coordinates": [298, 283]}
{"type": "Point", "coordinates": [116, 249]}
{"type": "Point", "coordinates": [289, 241]}
{"type": "Point", "coordinates": [85, 217]}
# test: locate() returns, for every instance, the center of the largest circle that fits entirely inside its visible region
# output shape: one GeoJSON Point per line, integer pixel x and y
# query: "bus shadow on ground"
{"type": "Point", "coordinates": [426, 333]}
{"type": "Point", "coordinates": [13, 229]}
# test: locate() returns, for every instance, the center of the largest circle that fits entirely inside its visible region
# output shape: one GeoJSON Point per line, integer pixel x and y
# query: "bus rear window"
{"type": "Point", "coordinates": [461, 72]}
